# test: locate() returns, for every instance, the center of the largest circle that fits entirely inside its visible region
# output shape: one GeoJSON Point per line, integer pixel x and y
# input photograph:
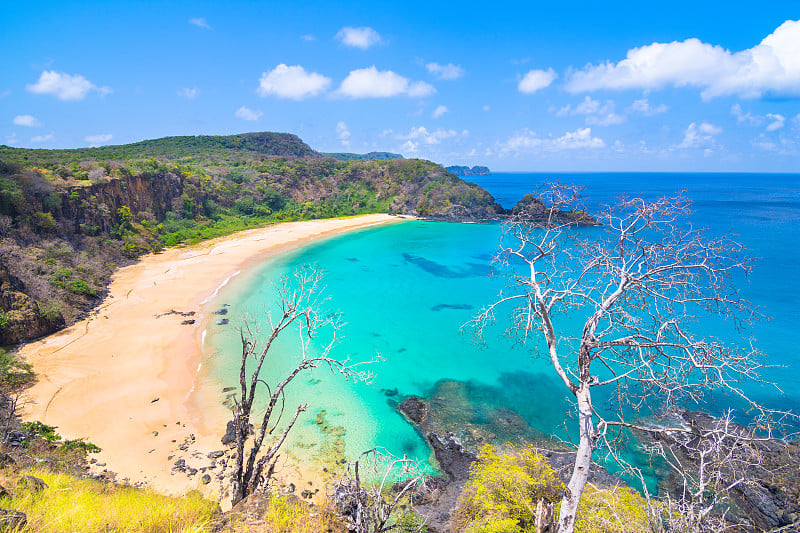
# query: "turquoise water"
{"type": "Point", "coordinates": [405, 290]}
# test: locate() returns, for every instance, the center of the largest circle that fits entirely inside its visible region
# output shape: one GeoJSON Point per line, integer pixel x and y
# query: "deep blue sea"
{"type": "Point", "coordinates": [406, 289]}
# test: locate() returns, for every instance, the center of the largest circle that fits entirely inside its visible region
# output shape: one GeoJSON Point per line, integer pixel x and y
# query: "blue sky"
{"type": "Point", "coordinates": [570, 86]}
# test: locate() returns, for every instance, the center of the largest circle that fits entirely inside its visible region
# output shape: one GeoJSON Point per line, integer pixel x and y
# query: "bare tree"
{"type": "Point", "coordinates": [360, 496]}
{"type": "Point", "coordinates": [301, 307]}
{"type": "Point", "coordinates": [638, 282]}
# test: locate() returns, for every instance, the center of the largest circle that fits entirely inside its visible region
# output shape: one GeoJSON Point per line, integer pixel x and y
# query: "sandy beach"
{"type": "Point", "coordinates": [125, 377]}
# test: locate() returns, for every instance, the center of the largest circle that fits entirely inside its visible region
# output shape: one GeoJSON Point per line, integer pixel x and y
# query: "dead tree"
{"type": "Point", "coordinates": [638, 282]}
{"type": "Point", "coordinates": [360, 494]}
{"type": "Point", "coordinates": [301, 307]}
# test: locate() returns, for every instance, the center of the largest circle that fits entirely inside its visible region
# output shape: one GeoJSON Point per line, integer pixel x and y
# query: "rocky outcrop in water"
{"type": "Point", "coordinates": [770, 496]}
{"type": "Point", "coordinates": [464, 171]}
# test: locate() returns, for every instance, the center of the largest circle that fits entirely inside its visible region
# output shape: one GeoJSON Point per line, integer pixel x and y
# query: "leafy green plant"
{"type": "Point", "coordinates": [80, 445]}
{"type": "Point", "coordinates": [13, 370]}
{"type": "Point", "coordinates": [39, 429]}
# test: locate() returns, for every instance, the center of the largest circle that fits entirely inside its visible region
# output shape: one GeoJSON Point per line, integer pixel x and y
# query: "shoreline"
{"type": "Point", "coordinates": [126, 378]}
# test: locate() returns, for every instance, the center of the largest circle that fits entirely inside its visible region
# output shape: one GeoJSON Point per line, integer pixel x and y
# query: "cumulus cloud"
{"type": "Point", "coordinates": [292, 82]}
{"type": "Point", "coordinates": [362, 37]}
{"type": "Point", "coordinates": [43, 138]}
{"type": "Point", "coordinates": [771, 67]}
{"type": "Point", "coordinates": [343, 133]}
{"type": "Point", "coordinates": [445, 72]}
{"type": "Point", "coordinates": [27, 120]}
{"type": "Point", "coordinates": [95, 140]}
{"type": "Point", "coordinates": [439, 111]}
{"type": "Point", "coordinates": [536, 80]}
{"type": "Point", "coordinates": [700, 135]}
{"type": "Point", "coordinates": [745, 118]}
{"type": "Point", "coordinates": [643, 106]}
{"type": "Point", "coordinates": [190, 93]}
{"type": "Point", "coordinates": [200, 22]}
{"type": "Point", "coordinates": [528, 141]}
{"type": "Point", "coordinates": [65, 86]}
{"type": "Point", "coordinates": [373, 83]}
{"type": "Point", "coordinates": [597, 114]}
{"type": "Point", "coordinates": [776, 121]}
{"type": "Point", "coordinates": [245, 113]}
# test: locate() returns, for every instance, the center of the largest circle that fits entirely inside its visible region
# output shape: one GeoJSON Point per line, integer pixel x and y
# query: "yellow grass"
{"type": "Point", "coordinates": [82, 505]}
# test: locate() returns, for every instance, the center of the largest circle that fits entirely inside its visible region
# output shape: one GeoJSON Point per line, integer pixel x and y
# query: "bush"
{"type": "Point", "coordinates": [39, 429]}
{"type": "Point", "coordinates": [503, 490]}
{"type": "Point", "coordinates": [13, 370]}
{"type": "Point", "coordinates": [80, 445]}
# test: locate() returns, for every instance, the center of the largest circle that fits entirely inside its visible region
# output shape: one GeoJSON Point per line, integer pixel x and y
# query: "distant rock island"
{"type": "Point", "coordinates": [466, 171]}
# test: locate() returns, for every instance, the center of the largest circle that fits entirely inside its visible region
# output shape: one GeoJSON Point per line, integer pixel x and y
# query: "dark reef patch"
{"type": "Point", "coordinates": [443, 271]}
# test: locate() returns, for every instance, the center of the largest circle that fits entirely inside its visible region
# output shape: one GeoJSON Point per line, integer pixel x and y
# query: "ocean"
{"type": "Point", "coordinates": [406, 290]}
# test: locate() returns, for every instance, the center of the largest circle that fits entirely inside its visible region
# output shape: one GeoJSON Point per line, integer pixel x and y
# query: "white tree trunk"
{"type": "Point", "coordinates": [583, 461]}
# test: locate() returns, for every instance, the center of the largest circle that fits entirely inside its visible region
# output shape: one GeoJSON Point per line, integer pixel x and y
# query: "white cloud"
{"type": "Point", "coordinates": [421, 134]}
{"type": "Point", "coordinates": [186, 92]}
{"type": "Point", "coordinates": [643, 106]}
{"type": "Point", "coordinates": [43, 138]}
{"type": "Point", "coordinates": [439, 111]}
{"type": "Point", "coordinates": [362, 37]}
{"type": "Point", "coordinates": [308, 37]}
{"type": "Point", "coordinates": [292, 82]}
{"type": "Point", "coordinates": [776, 123]}
{"type": "Point", "coordinates": [95, 140]}
{"type": "Point", "coordinates": [343, 133]}
{"type": "Point", "coordinates": [27, 120]}
{"type": "Point", "coordinates": [700, 136]}
{"type": "Point", "coordinates": [597, 114]}
{"type": "Point", "coordinates": [245, 113]}
{"type": "Point", "coordinates": [200, 22]}
{"type": "Point", "coordinates": [445, 72]}
{"type": "Point", "coordinates": [771, 67]}
{"type": "Point", "coordinates": [742, 117]}
{"type": "Point", "coordinates": [775, 120]}
{"type": "Point", "coordinates": [11, 140]}
{"type": "Point", "coordinates": [373, 83]}
{"type": "Point", "coordinates": [64, 86]}
{"type": "Point", "coordinates": [535, 80]}
{"type": "Point", "coordinates": [528, 141]}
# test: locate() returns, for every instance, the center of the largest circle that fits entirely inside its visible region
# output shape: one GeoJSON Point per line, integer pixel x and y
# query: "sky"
{"type": "Point", "coordinates": [516, 86]}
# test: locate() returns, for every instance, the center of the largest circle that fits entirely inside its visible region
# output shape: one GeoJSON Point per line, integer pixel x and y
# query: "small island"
{"type": "Point", "coordinates": [464, 171]}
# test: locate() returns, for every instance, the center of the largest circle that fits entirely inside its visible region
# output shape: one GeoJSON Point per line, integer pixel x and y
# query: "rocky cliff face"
{"type": "Point", "coordinates": [21, 316]}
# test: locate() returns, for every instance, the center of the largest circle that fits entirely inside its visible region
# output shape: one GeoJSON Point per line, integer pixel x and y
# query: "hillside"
{"type": "Point", "coordinates": [69, 218]}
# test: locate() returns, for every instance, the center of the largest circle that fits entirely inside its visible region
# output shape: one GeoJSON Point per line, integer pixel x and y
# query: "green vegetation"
{"type": "Point", "coordinates": [503, 493]}
{"type": "Point", "coordinates": [13, 371]}
{"type": "Point", "coordinates": [40, 430]}
{"type": "Point", "coordinates": [68, 218]}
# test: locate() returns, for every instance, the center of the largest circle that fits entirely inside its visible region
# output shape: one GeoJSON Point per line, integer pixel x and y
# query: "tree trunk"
{"type": "Point", "coordinates": [583, 461]}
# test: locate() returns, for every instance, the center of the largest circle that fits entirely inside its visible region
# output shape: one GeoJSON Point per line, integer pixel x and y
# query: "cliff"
{"type": "Point", "coordinates": [69, 218]}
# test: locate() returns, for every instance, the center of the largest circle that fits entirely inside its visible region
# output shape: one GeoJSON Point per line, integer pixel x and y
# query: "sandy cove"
{"type": "Point", "coordinates": [125, 377]}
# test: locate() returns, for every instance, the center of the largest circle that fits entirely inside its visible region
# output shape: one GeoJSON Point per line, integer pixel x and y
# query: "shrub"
{"type": "Point", "coordinates": [80, 445]}
{"type": "Point", "coordinates": [503, 490]}
{"type": "Point", "coordinates": [12, 369]}
{"type": "Point", "coordinates": [39, 429]}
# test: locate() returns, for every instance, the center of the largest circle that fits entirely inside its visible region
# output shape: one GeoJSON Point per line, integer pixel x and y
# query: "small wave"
{"type": "Point", "coordinates": [216, 291]}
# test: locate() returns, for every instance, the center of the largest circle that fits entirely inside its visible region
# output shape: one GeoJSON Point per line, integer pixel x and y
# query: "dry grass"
{"type": "Point", "coordinates": [70, 504]}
